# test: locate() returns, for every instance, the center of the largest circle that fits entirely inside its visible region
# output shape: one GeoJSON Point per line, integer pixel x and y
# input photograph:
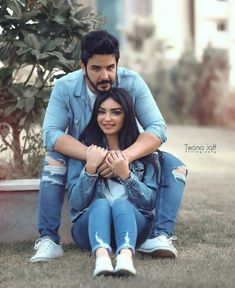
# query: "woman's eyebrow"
{"type": "Point", "coordinates": [119, 108]}
{"type": "Point", "coordinates": [113, 109]}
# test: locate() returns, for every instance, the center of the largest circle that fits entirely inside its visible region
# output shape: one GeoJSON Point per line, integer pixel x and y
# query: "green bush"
{"type": "Point", "coordinates": [39, 42]}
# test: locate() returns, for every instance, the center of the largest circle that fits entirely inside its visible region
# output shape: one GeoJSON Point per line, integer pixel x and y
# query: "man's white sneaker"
{"type": "Point", "coordinates": [160, 246]}
{"type": "Point", "coordinates": [46, 250]}
{"type": "Point", "coordinates": [103, 266]}
{"type": "Point", "coordinates": [124, 266]}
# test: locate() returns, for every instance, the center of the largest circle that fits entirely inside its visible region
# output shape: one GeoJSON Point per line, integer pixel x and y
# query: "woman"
{"type": "Point", "coordinates": [114, 213]}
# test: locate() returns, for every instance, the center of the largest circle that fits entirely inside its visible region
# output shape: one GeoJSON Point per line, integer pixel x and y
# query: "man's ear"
{"type": "Point", "coordinates": [82, 65]}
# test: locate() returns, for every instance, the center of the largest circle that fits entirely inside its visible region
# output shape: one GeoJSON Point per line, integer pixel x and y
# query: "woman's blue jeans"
{"type": "Point", "coordinates": [53, 185]}
{"type": "Point", "coordinates": [111, 227]}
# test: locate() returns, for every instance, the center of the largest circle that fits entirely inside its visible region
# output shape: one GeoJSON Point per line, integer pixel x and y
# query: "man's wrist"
{"type": "Point", "coordinates": [128, 156]}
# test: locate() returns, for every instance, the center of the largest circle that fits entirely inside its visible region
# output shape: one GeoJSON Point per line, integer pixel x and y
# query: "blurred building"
{"type": "Point", "coordinates": [215, 25]}
{"type": "Point", "coordinates": [185, 24]}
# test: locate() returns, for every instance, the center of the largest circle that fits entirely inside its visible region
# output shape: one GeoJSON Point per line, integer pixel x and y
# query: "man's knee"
{"type": "Point", "coordinates": [180, 173]}
{"type": "Point", "coordinates": [175, 165]}
{"type": "Point", "coordinates": [55, 168]}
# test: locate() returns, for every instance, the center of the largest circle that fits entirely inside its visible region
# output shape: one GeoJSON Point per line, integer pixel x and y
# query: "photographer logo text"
{"type": "Point", "coordinates": [206, 148]}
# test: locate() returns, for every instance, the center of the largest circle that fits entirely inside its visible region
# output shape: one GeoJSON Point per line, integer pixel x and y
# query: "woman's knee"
{"type": "Point", "coordinates": [101, 204]}
{"type": "Point", "coordinates": [121, 205]}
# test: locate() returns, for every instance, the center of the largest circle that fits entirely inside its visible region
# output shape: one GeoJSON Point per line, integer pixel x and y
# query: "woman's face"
{"type": "Point", "coordinates": [110, 117]}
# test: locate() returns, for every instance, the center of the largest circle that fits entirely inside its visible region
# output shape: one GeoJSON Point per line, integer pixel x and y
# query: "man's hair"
{"type": "Point", "coordinates": [99, 43]}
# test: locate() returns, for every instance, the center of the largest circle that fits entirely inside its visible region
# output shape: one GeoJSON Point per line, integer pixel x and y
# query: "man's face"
{"type": "Point", "coordinates": [100, 72]}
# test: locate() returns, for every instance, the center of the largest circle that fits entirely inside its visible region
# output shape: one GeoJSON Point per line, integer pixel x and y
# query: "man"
{"type": "Point", "coordinates": [68, 113]}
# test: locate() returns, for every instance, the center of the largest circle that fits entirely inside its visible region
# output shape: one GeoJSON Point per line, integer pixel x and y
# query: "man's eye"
{"type": "Point", "coordinates": [111, 68]}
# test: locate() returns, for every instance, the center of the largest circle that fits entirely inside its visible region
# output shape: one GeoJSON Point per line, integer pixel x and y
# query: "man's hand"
{"type": "Point", "coordinates": [119, 164]}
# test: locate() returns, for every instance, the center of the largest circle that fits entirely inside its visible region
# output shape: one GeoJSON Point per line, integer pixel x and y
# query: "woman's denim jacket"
{"type": "Point", "coordinates": [141, 188]}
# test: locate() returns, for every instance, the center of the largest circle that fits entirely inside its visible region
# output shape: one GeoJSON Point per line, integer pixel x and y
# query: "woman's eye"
{"type": "Point", "coordinates": [117, 112]}
{"type": "Point", "coordinates": [101, 112]}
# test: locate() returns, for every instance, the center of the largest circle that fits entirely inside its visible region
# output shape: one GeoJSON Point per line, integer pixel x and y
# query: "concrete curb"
{"type": "Point", "coordinates": [19, 185]}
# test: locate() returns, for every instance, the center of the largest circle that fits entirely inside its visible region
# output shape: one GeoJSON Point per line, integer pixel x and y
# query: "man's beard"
{"type": "Point", "coordinates": [95, 86]}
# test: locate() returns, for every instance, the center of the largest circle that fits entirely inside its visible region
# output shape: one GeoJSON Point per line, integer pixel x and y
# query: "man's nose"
{"type": "Point", "coordinates": [104, 74]}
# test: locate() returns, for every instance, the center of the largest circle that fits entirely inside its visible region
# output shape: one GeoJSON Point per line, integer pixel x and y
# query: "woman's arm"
{"type": "Point", "coordinates": [80, 190]}
{"type": "Point", "coordinates": [81, 184]}
{"type": "Point", "coordinates": [142, 193]}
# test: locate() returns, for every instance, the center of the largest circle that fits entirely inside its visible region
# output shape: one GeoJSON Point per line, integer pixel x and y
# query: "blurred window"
{"type": "Point", "coordinates": [144, 8]}
{"type": "Point", "coordinates": [221, 26]}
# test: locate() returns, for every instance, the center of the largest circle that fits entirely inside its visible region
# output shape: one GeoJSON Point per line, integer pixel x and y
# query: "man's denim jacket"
{"type": "Point", "coordinates": [69, 109]}
{"type": "Point", "coordinates": [141, 187]}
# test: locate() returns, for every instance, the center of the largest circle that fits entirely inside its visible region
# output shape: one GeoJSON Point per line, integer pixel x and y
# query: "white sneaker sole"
{"type": "Point", "coordinates": [124, 272]}
{"type": "Point", "coordinates": [163, 253]}
{"type": "Point", "coordinates": [42, 259]}
{"type": "Point", "coordinates": [104, 273]}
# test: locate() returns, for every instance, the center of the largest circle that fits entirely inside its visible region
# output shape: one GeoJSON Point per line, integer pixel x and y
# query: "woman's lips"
{"type": "Point", "coordinates": [108, 126]}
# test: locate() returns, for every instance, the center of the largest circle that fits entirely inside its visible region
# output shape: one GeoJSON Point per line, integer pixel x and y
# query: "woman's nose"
{"type": "Point", "coordinates": [107, 116]}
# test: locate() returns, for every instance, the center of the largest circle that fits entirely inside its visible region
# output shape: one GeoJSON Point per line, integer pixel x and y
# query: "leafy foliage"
{"type": "Point", "coordinates": [39, 42]}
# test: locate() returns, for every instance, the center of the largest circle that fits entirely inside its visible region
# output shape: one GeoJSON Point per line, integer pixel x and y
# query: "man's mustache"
{"type": "Point", "coordinates": [104, 82]}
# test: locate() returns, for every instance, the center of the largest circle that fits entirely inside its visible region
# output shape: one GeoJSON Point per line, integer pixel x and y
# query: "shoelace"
{"type": "Point", "coordinates": [172, 238]}
{"type": "Point", "coordinates": [39, 243]}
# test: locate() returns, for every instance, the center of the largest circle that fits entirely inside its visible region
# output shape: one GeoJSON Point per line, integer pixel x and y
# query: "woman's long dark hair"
{"type": "Point", "coordinates": [129, 133]}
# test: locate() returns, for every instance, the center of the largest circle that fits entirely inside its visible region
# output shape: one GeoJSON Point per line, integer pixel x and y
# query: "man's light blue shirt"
{"type": "Point", "coordinates": [69, 108]}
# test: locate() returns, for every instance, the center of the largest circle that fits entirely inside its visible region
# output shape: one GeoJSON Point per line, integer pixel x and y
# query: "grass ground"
{"type": "Point", "coordinates": [205, 242]}
{"type": "Point", "coordinates": [205, 231]}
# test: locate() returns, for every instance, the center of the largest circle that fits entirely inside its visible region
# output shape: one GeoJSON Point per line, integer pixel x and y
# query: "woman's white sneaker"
{"type": "Point", "coordinates": [103, 266]}
{"type": "Point", "coordinates": [160, 246]}
{"type": "Point", "coordinates": [46, 250]}
{"type": "Point", "coordinates": [124, 265]}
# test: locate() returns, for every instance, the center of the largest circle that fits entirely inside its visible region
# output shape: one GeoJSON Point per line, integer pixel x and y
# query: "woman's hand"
{"type": "Point", "coordinates": [95, 156]}
{"type": "Point", "coordinates": [105, 171]}
{"type": "Point", "coordinates": [119, 164]}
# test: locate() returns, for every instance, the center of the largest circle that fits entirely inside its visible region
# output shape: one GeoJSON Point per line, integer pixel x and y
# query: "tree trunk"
{"type": "Point", "coordinates": [18, 159]}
